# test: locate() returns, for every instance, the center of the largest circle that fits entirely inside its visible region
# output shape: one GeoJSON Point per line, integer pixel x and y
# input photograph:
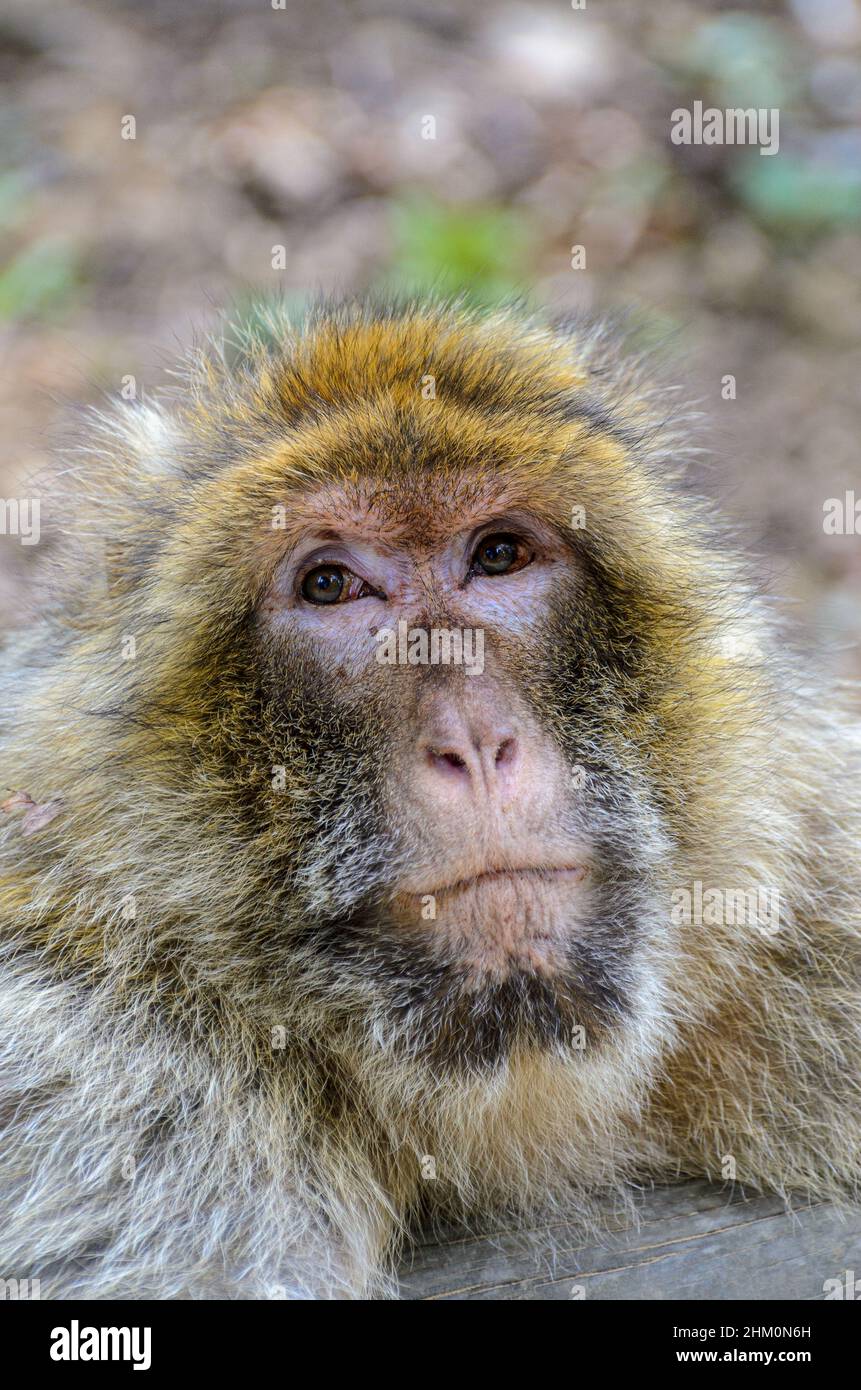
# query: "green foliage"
{"type": "Point", "coordinates": [793, 196]}
{"type": "Point", "coordinates": [478, 251]}
{"type": "Point", "coordinates": [14, 188]}
{"type": "Point", "coordinates": [39, 282]}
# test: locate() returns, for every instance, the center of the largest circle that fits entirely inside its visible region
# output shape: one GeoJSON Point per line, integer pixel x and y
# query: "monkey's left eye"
{"type": "Point", "coordinates": [499, 554]}
{"type": "Point", "coordinates": [328, 584]}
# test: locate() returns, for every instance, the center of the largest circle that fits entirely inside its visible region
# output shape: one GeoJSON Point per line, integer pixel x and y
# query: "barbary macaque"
{"type": "Point", "coordinates": [315, 925]}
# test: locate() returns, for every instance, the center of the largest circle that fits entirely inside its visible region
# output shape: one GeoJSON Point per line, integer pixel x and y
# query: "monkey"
{"type": "Point", "coordinates": [326, 920]}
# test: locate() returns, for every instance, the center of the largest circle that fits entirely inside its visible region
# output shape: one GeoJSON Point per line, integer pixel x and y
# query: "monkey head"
{"type": "Point", "coordinates": [420, 632]}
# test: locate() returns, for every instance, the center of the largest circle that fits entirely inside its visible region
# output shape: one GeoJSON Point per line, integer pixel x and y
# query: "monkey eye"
{"type": "Point", "coordinates": [499, 554]}
{"type": "Point", "coordinates": [327, 584]}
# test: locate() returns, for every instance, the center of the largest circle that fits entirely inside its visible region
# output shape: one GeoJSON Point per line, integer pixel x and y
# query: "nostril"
{"type": "Point", "coordinates": [442, 760]}
{"type": "Point", "coordinates": [505, 752]}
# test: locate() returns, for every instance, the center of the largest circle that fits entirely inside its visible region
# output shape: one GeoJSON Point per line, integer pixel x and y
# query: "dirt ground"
{"type": "Point", "coordinates": [306, 127]}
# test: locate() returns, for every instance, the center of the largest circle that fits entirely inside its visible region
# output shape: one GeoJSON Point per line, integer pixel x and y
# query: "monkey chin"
{"type": "Point", "coordinates": [509, 961]}
{"type": "Point", "coordinates": [501, 922]}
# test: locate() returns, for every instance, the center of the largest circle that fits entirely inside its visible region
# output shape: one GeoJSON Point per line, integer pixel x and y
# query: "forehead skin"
{"type": "Point", "coordinates": [398, 517]}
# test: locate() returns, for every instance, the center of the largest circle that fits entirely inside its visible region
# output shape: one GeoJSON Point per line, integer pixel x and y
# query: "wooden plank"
{"type": "Point", "coordinates": [693, 1241]}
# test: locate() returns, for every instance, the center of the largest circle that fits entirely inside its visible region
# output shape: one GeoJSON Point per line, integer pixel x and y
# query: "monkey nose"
{"type": "Point", "coordinates": [471, 756]}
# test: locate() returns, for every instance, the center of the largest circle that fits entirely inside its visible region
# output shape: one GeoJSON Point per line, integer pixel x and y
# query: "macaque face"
{"type": "Point", "coordinates": [475, 859]}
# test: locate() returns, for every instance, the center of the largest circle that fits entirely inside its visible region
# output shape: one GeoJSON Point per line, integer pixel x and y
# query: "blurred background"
{"type": "Point", "coordinates": [304, 127]}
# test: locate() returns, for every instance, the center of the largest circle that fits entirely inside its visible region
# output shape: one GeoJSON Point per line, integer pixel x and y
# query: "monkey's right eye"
{"type": "Point", "coordinates": [326, 584]}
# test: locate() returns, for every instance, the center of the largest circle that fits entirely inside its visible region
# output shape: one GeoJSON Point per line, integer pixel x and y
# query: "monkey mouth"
{"type": "Point", "coordinates": [500, 921]}
{"type": "Point", "coordinates": [527, 873]}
